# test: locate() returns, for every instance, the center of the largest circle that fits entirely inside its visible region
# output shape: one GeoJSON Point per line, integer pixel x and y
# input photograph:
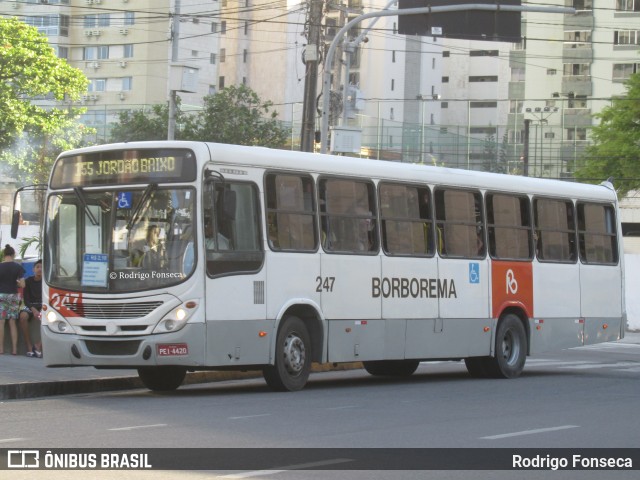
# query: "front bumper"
{"type": "Point", "coordinates": [71, 350]}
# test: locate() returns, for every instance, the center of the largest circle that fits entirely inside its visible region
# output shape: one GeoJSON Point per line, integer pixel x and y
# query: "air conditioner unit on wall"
{"type": "Point", "coordinates": [123, 64]}
{"type": "Point", "coordinates": [122, 95]}
{"type": "Point", "coordinates": [124, 31]}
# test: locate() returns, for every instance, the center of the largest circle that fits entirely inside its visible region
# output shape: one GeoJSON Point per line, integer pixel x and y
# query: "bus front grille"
{"type": "Point", "coordinates": [105, 311]}
{"type": "Point", "coordinates": [121, 347]}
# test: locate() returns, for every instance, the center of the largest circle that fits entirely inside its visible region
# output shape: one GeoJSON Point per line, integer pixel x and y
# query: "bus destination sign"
{"type": "Point", "coordinates": [123, 167]}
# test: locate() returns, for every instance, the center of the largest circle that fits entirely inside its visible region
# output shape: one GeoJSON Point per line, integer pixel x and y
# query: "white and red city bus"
{"type": "Point", "coordinates": [171, 257]}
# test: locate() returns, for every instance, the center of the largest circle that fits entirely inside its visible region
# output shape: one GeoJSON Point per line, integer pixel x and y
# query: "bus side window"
{"type": "Point", "coordinates": [405, 215]}
{"type": "Point", "coordinates": [234, 242]}
{"type": "Point", "coordinates": [597, 234]}
{"type": "Point", "coordinates": [460, 223]}
{"type": "Point", "coordinates": [509, 227]}
{"type": "Point", "coordinates": [290, 206]}
{"type": "Point", "coordinates": [555, 227]}
{"type": "Point", "coordinates": [348, 216]}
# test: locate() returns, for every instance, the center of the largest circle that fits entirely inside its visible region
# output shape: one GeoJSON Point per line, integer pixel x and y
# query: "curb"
{"type": "Point", "coordinates": [26, 390]}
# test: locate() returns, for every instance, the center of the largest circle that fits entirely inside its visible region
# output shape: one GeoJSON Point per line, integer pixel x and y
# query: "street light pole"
{"type": "Point", "coordinates": [525, 154]}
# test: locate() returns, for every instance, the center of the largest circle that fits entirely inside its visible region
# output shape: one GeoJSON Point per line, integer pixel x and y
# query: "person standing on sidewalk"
{"type": "Point", "coordinates": [11, 278]}
{"type": "Point", "coordinates": [32, 306]}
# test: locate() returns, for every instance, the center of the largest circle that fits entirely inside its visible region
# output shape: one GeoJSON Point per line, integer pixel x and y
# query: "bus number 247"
{"type": "Point", "coordinates": [325, 284]}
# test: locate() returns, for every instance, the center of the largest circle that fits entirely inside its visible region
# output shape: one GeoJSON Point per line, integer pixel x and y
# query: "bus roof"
{"type": "Point", "coordinates": [269, 158]}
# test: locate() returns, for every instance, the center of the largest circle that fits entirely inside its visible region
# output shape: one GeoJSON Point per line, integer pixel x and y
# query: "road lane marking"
{"type": "Point", "coordinates": [250, 416]}
{"type": "Point", "coordinates": [552, 363]}
{"type": "Point", "coordinates": [601, 365]}
{"type": "Point", "coordinates": [301, 466]}
{"type": "Point", "coordinates": [344, 407]}
{"type": "Point", "coordinates": [608, 346]}
{"type": "Point", "coordinates": [7, 440]}
{"type": "Point", "coordinates": [136, 427]}
{"type": "Point", "coordinates": [529, 432]}
{"type": "Point", "coordinates": [630, 370]}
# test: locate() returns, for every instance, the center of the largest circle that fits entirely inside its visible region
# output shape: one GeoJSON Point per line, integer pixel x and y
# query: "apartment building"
{"type": "Point", "coordinates": [419, 98]}
{"type": "Point", "coordinates": [473, 107]}
{"type": "Point", "coordinates": [125, 48]}
{"type": "Point", "coordinates": [261, 46]}
{"type": "Point", "coordinates": [567, 68]}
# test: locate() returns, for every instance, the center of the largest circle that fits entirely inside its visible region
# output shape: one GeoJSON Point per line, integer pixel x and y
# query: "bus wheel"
{"type": "Point", "coordinates": [511, 349]}
{"type": "Point", "coordinates": [476, 366]}
{"type": "Point", "coordinates": [162, 379]}
{"type": "Point", "coordinates": [391, 368]}
{"type": "Point", "coordinates": [293, 357]}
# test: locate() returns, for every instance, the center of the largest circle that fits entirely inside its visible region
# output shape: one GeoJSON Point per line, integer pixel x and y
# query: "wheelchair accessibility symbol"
{"type": "Point", "coordinates": [124, 200]}
{"type": "Point", "coordinates": [474, 272]}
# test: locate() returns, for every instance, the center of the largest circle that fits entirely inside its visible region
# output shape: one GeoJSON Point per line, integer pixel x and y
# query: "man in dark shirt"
{"type": "Point", "coordinates": [32, 308]}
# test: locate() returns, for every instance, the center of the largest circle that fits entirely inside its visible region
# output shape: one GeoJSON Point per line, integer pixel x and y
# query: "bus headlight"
{"type": "Point", "coordinates": [57, 323]}
{"type": "Point", "coordinates": [174, 320]}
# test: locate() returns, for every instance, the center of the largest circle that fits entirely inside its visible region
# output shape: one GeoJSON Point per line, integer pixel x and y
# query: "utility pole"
{"type": "Point", "coordinates": [175, 38]}
{"type": "Point", "coordinates": [311, 59]}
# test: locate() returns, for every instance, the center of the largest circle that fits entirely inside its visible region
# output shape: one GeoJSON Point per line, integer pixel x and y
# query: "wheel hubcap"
{"type": "Point", "coordinates": [294, 354]}
{"type": "Point", "coordinates": [510, 348]}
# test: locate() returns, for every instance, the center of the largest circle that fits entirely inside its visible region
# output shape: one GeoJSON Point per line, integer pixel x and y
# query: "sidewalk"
{"type": "Point", "coordinates": [23, 377]}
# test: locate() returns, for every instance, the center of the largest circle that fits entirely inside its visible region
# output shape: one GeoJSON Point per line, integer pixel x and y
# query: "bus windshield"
{"type": "Point", "coordinates": [120, 240]}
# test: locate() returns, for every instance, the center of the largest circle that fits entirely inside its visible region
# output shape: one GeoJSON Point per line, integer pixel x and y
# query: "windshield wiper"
{"type": "Point", "coordinates": [80, 195]}
{"type": "Point", "coordinates": [146, 196]}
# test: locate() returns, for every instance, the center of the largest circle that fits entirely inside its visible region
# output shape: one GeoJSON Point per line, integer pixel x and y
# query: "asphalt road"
{"type": "Point", "coordinates": [579, 398]}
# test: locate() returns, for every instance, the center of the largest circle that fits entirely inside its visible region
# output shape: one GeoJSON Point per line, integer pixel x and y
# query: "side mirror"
{"type": "Point", "coordinates": [15, 222]}
{"type": "Point", "coordinates": [229, 205]}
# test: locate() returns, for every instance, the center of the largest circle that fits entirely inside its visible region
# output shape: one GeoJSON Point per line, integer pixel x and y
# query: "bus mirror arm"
{"type": "Point", "coordinates": [80, 194]}
{"type": "Point", "coordinates": [213, 174]}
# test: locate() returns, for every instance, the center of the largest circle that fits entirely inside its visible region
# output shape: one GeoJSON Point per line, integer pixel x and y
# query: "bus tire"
{"type": "Point", "coordinates": [391, 368]}
{"type": "Point", "coordinates": [292, 365]}
{"type": "Point", "coordinates": [511, 349]}
{"type": "Point", "coordinates": [476, 366]}
{"type": "Point", "coordinates": [162, 379]}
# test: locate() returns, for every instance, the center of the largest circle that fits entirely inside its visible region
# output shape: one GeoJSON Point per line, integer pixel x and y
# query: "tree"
{"type": "Point", "coordinates": [233, 115]}
{"type": "Point", "coordinates": [489, 153]}
{"type": "Point", "coordinates": [33, 153]}
{"type": "Point", "coordinates": [237, 115]}
{"type": "Point", "coordinates": [141, 125]}
{"type": "Point", "coordinates": [503, 155]}
{"type": "Point", "coordinates": [615, 151]}
{"type": "Point", "coordinates": [30, 70]}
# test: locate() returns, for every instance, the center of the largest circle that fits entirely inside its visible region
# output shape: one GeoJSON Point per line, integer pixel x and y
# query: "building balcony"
{"type": "Point", "coordinates": [582, 20]}
{"type": "Point", "coordinates": [577, 53]}
{"type": "Point", "coordinates": [516, 90]}
{"type": "Point", "coordinates": [579, 85]}
{"type": "Point", "coordinates": [577, 117]}
{"type": "Point", "coordinates": [517, 58]}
